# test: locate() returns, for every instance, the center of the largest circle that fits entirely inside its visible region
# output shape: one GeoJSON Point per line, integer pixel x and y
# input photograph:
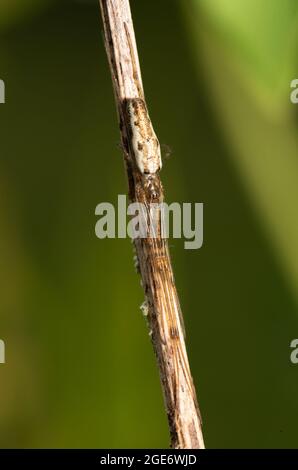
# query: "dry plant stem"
{"type": "Point", "coordinates": [162, 304]}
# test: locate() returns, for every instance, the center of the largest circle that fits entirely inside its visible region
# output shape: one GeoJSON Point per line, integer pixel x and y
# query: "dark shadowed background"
{"type": "Point", "coordinates": [80, 370]}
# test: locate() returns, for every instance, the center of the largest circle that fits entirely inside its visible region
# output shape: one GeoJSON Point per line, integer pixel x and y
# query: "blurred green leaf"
{"type": "Point", "coordinates": [262, 36]}
{"type": "Point", "coordinates": [256, 38]}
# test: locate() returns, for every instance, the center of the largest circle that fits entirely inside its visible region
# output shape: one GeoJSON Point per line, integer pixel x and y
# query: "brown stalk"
{"type": "Point", "coordinates": [162, 306]}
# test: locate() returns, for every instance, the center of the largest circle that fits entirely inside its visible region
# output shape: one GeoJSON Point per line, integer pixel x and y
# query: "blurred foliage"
{"type": "Point", "coordinates": [263, 38]}
{"type": "Point", "coordinates": [15, 11]}
{"type": "Point", "coordinates": [263, 132]}
{"type": "Point", "coordinates": [80, 370]}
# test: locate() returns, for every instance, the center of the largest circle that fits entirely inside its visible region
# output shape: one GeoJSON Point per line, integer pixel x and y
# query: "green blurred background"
{"type": "Point", "coordinates": [80, 370]}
